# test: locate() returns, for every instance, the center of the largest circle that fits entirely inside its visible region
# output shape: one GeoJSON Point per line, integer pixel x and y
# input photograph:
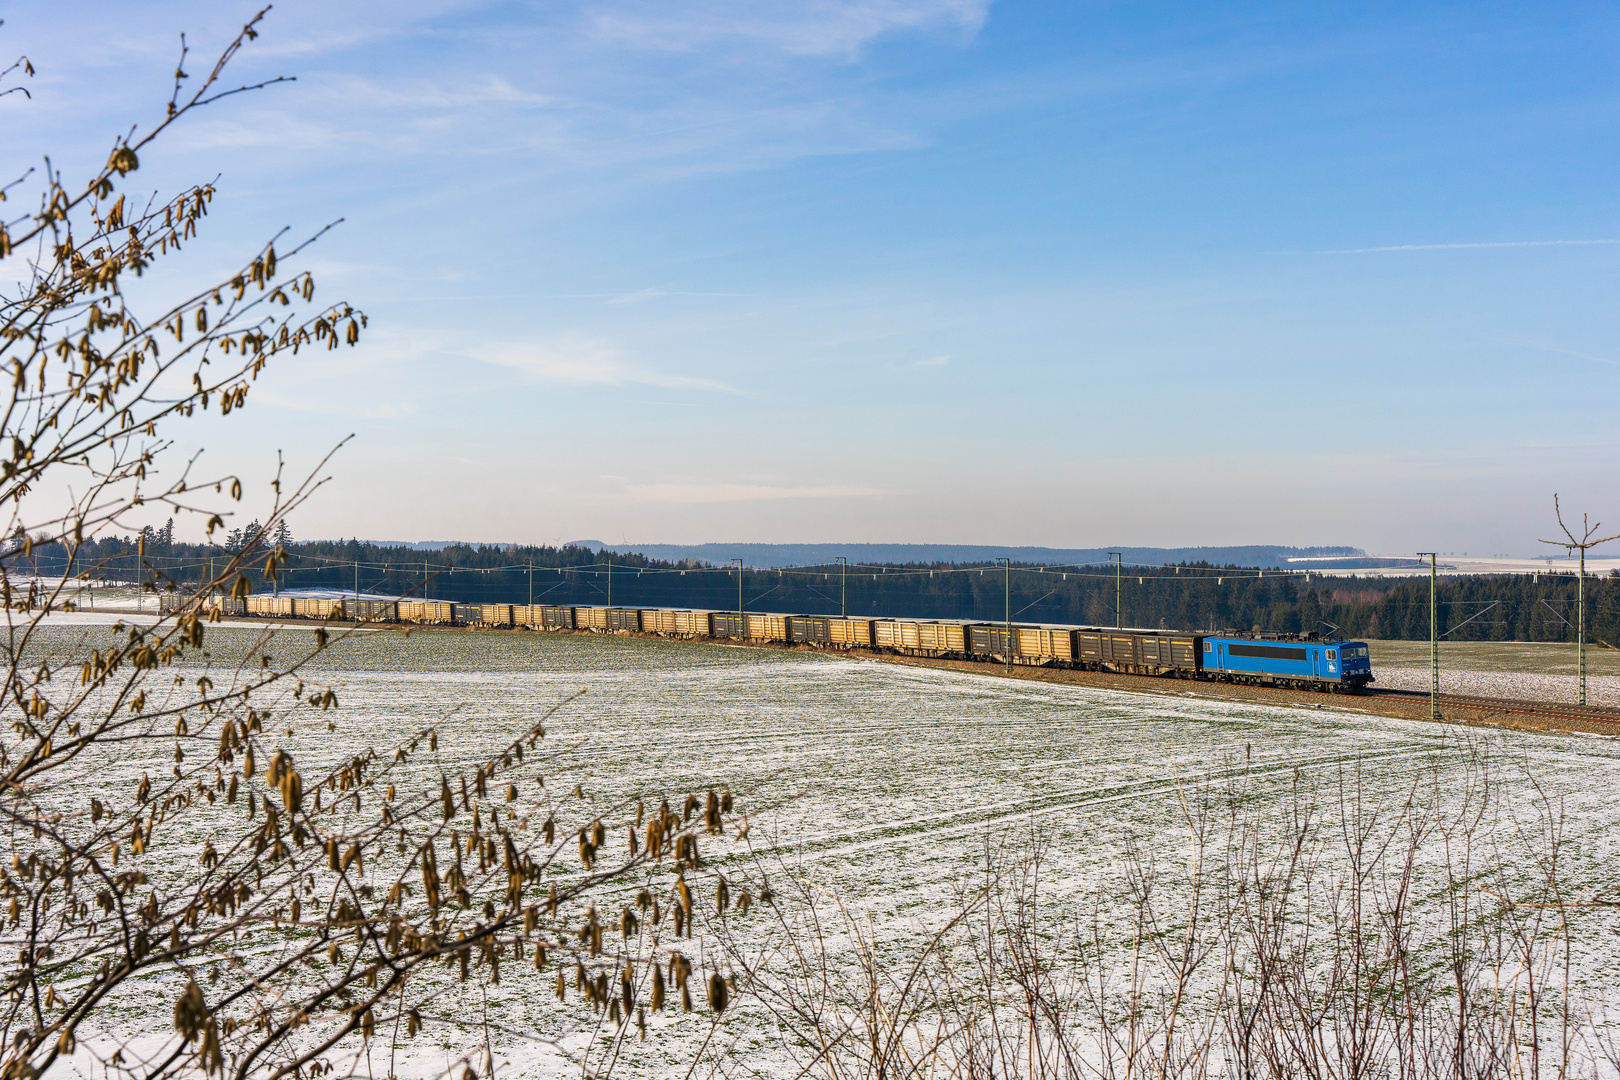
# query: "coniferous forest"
{"type": "Point", "coordinates": [1188, 597]}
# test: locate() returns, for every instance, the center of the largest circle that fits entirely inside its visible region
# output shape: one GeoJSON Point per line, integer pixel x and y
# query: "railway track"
{"type": "Point", "coordinates": [1591, 716]}
{"type": "Point", "coordinates": [1552, 710]}
{"type": "Point", "coordinates": [1588, 717]}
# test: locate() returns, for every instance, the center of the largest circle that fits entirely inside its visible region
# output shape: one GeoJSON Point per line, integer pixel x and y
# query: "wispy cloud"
{"type": "Point", "coordinates": [375, 410]}
{"type": "Point", "coordinates": [1568, 352]}
{"type": "Point", "coordinates": [633, 91]}
{"type": "Point", "coordinates": [585, 360]}
{"type": "Point", "coordinates": [825, 28]}
{"type": "Point", "coordinates": [718, 492]}
{"type": "Point", "coordinates": [1468, 246]}
{"type": "Point", "coordinates": [641, 296]}
{"type": "Point", "coordinates": [421, 93]}
{"type": "Point", "coordinates": [932, 361]}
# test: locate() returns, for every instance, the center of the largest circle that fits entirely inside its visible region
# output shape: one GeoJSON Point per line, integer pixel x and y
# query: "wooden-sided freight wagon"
{"type": "Point", "coordinates": [850, 633]}
{"type": "Point", "coordinates": [427, 611]}
{"type": "Point", "coordinates": [372, 610]}
{"type": "Point", "coordinates": [1030, 644]}
{"type": "Point", "coordinates": [767, 627]}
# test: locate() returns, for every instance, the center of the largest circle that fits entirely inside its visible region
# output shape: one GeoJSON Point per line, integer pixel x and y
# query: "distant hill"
{"type": "Point", "coordinates": [1265, 556]}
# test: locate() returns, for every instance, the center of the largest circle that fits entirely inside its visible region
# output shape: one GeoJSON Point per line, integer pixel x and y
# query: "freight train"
{"type": "Point", "coordinates": [1300, 661]}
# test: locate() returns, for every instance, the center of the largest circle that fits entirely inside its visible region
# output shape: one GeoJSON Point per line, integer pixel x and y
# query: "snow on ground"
{"type": "Point", "coordinates": [1600, 689]}
{"type": "Point", "coordinates": [884, 786]}
{"type": "Point", "coordinates": [1540, 671]}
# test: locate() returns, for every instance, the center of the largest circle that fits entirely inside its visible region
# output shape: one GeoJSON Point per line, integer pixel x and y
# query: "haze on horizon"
{"type": "Point", "coordinates": [907, 271]}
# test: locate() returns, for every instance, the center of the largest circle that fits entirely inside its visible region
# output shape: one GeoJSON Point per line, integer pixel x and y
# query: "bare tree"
{"type": "Point", "coordinates": [171, 857]}
{"type": "Point", "coordinates": [1569, 543]}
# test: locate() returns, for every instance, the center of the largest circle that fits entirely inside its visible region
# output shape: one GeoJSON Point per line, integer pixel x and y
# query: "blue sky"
{"type": "Point", "coordinates": [909, 270]}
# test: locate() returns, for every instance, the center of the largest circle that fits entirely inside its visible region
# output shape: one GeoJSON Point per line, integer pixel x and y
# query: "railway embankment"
{"type": "Point", "coordinates": [1404, 705]}
{"type": "Point", "coordinates": [1471, 710]}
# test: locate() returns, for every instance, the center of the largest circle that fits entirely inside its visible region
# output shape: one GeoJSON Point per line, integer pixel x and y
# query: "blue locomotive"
{"type": "Point", "coordinates": [1302, 663]}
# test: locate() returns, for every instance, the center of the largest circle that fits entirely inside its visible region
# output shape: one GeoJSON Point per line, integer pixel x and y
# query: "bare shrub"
{"type": "Point", "coordinates": [1332, 930]}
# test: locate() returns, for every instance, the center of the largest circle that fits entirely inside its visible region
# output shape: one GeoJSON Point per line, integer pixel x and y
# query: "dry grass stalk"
{"type": "Point", "coordinates": [1419, 934]}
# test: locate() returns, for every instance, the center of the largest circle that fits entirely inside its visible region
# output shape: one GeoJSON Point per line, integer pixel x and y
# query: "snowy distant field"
{"type": "Point", "coordinates": [1600, 689]}
{"type": "Point", "coordinates": [1508, 669]}
{"type": "Point", "coordinates": [120, 599]}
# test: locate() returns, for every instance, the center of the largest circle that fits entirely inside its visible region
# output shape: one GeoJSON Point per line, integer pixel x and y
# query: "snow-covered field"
{"type": "Point", "coordinates": [1600, 689]}
{"type": "Point", "coordinates": [1508, 669]}
{"type": "Point", "coordinates": [885, 786]}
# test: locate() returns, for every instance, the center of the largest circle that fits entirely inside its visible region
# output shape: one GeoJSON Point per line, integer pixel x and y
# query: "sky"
{"type": "Point", "coordinates": [929, 271]}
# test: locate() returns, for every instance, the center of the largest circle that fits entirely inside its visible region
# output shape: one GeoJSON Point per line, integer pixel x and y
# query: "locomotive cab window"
{"type": "Point", "coordinates": [1209, 646]}
{"type": "Point", "coordinates": [1333, 654]}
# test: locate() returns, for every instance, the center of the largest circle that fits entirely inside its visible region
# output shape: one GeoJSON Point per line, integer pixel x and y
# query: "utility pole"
{"type": "Point", "coordinates": [843, 590]}
{"type": "Point", "coordinates": [357, 588]}
{"type": "Point", "coordinates": [531, 586]}
{"type": "Point", "coordinates": [1117, 586]}
{"type": "Point", "coordinates": [1434, 636]}
{"type": "Point", "coordinates": [610, 581]}
{"type": "Point", "coordinates": [1006, 583]}
{"type": "Point", "coordinates": [742, 622]}
{"type": "Point", "coordinates": [1581, 545]}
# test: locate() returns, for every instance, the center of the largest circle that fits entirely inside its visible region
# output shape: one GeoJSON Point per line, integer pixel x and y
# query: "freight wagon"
{"type": "Point", "coordinates": [427, 611]}
{"type": "Point", "coordinates": [658, 622]}
{"type": "Point", "coordinates": [693, 623]}
{"type": "Point", "coordinates": [590, 618]}
{"type": "Point", "coordinates": [942, 639]}
{"type": "Point", "coordinates": [1138, 652]}
{"type": "Point", "coordinates": [274, 606]}
{"type": "Point", "coordinates": [813, 629]}
{"type": "Point", "coordinates": [918, 637]}
{"type": "Point", "coordinates": [850, 633]}
{"type": "Point", "coordinates": [1047, 645]}
{"type": "Point", "coordinates": [317, 607]}
{"type": "Point", "coordinates": [494, 615]}
{"type": "Point", "coordinates": [372, 610]}
{"type": "Point", "coordinates": [173, 603]}
{"type": "Point", "coordinates": [285, 607]}
{"type": "Point", "coordinates": [895, 634]}
{"type": "Point", "coordinates": [556, 618]}
{"type": "Point", "coordinates": [766, 627]}
{"type": "Point", "coordinates": [667, 623]}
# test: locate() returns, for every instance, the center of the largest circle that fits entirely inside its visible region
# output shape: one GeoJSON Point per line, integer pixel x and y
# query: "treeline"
{"type": "Point", "coordinates": [1186, 597]}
